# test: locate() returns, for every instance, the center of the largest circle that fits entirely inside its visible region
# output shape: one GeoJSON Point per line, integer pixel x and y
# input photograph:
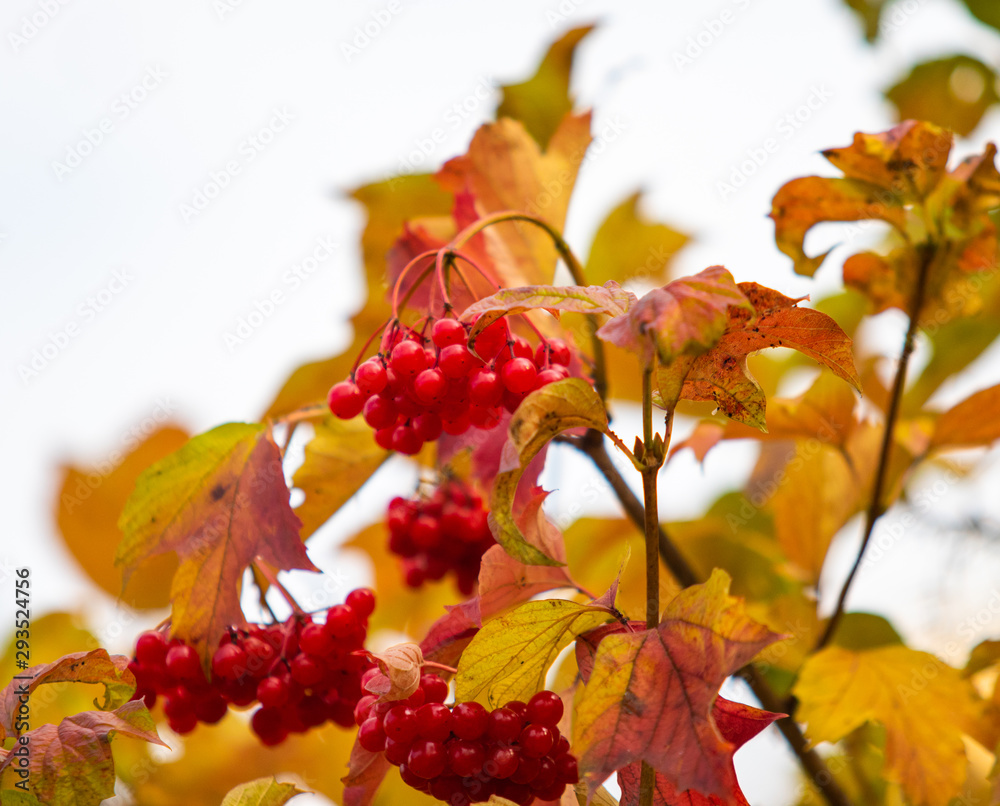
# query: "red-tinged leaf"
{"type": "Point", "coordinates": [908, 160]}
{"type": "Point", "coordinates": [218, 502]}
{"type": "Point", "coordinates": [973, 422]}
{"type": "Point", "coordinates": [609, 299]}
{"type": "Point", "coordinates": [70, 764]}
{"type": "Point", "coordinates": [738, 724]}
{"type": "Point", "coordinates": [542, 101]}
{"type": "Point", "coordinates": [366, 771]}
{"type": "Point", "coordinates": [706, 435]}
{"type": "Point", "coordinates": [505, 169]}
{"type": "Point", "coordinates": [721, 374]}
{"type": "Point", "coordinates": [685, 317]}
{"type": "Point", "coordinates": [588, 642]}
{"type": "Point", "coordinates": [400, 667]}
{"type": "Point", "coordinates": [95, 666]}
{"type": "Point", "coordinates": [450, 635]}
{"type": "Point", "coordinates": [803, 203]}
{"type": "Point", "coordinates": [571, 403]}
{"type": "Point", "coordinates": [651, 693]}
{"type": "Point", "coordinates": [504, 581]}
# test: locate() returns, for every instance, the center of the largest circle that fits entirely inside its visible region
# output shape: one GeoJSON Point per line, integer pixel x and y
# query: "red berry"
{"type": "Point", "coordinates": [370, 377]}
{"type": "Point", "coordinates": [434, 721]}
{"type": "Point", "coordinates": [518, 708]}
{"type": "Point", "coordinates": [210, 707]}
{"type": "Point", "coordinates": [519, 375]}
{"type": "Point", "coordinates": [427, 426]}
{"type": "Point", "coordinates": [484, 418]}
{"type": "Point", "coordinates": [406, 441]}
{"type": "Point", "coordinates": [511, 400]}
{"type": "Point", "coordinates": [396, 752]}
{"type": "Point", "coordinates": [183, 663]}
{"type": "Point", "coordinates": [272, 692]}
{"type": "Point", "coordinates": [547, 774]}
{"type": "Point", "coordinates": [504, 725]}
{"type": "Point", "coordinates": [522, 349]}
{"type": "Point", "coordinates": [371, 736]}
{"type": "Point", "coordinates": [229, 661]}
{"type": "Point", "coordinates": [556, 351]}
{"type": "Point", "coordinates": [363, 709]}
{"type": "Point", "coordinates": [536, 740]}
{"type": "Point", "coordinates": [427, 758]}
{"type": "Point", "coordinates": [446, 332]}
{"type": "Point", "coordinates": [341, 620]}
{"type": "Point", "coordinates": [527, 770]}
{"type": "Point", "coordinates": [361, 601]}
{"type": "Point", "coordinates": [465, 757]}
{"type": "Point", "coordinates": [401, 724]}
{"type": "Point", "coordinates": [545, 708]}
{"type": "Point", "coordinates": [267, 723]}
{"type": "Point", "coordinates": [566, 769]}
{"type": "Point", "coordinates": [151, 649]}
{"type": "Point", "coordinates": [489, 342]}
{"type": "Point", "coordinates": [178, 703]}
{"type": "Point", "coordinates": [435, 689]}
{"type": "Point", "coordinates": [345, 400]}
{"type": "Point", "coordinates": [501, 762]}
{"type": "Point", "coordinates": [547, 376]}
{"type": "Point", "coordinates": [383, 437]}
{"type": "Point", "coordinates": [469, 720]}
{"type": "Point", "coordinates": [485, 388]}
{"type": "Point", "coordinates": [455, 361]}
{"type": "Point", "coordinates": [379, 412]}
{"type": "Point", "coordinates": [408, 358]}
{"type": "Point", "coordinates": [316, 640]}
{"type": "Point", "coordinates": [306, 670]}
{"type": "Point", "coordinates": [456, 425]}
{"type": "Point", "coordinates": [183, 724]}
{"type": "Point", "coordinates": [426, 532]}
{"type": "Point", "coordinates": [430, 386]}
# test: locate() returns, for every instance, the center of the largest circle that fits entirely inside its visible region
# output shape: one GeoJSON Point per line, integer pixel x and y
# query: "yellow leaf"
{"type": "Point", "coordinates": [548, 411]}
{"type": "Point", "coordinates": [508, 658]}
{"type": "Point", "coordinates": [973, 422]}
{"type": "Point", "coordinates": [339, 459]}
{"type": "Point", "coordinates": [261, 792]}
{"type": "Point", "coordinates": [90, 501]}
{"type": "Point", "coordinates": [922, 703]}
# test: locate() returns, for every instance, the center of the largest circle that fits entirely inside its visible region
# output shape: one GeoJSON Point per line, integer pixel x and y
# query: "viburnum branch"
{"type": "Point", "coordinates": [272, 578]}
{"type": "Point", "coordinates": [592, 444]}
{"type": "Point", "coordinates": [875, 506]}
{"type": "Point", "coordinates": [396, 304]}
{"type": "Point", "coordinates": [575, 270]}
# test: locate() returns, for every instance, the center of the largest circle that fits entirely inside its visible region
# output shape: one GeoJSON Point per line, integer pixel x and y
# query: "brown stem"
{"type": "Point", "coordinates": [876, 507]}
{"type": "Point", "coordinates": [592, 444]}
{"type": "Point", "coordinates": [272, 578]}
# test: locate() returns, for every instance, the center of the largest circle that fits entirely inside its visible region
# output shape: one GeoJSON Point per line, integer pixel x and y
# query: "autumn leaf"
{"type": "Point", "coordinates": [651, 693]}
{"type": "Point", "coordinates": [90, 500]}
{"type": "Point", "coordinates": [627, 247]}
{"type": "Point", "coordinates": [366, 771]}
{"type": "Point", "coordinates": [218, 502]}
{"type": "Point", "coordinates": [505, 169]}
{"type": "Point", "coordinates": [399, 668]}
{"type": "Point", "coordinates": [737, 723]}
{"type": "Point", "coordinates": [685, 317]}
{"type": "Point", "coordinates": [261, 792]}
{"type": "Point", "coordinates": [609, 299]}
{"type": "Point", "coordinates": [508, 658]}
{"type": "Point", "coordinates": [557, 407]}
{"type": "Point", "coordinates": [923, 704]}
{"type": "Point", "coordinates": [542, 101]}
{"type": "Point", "coordinates": [70, 764]}
{"type": "Point", "coordinates": [95, 666]}
{"type": "Point", "coordinates": [339, 459]}
{"type": "Point", "coordinates": [954, 93]}
{"type": "Point", "coordinates": [448, 637]}
{"type": "Point", "coordinates": [973, 422]}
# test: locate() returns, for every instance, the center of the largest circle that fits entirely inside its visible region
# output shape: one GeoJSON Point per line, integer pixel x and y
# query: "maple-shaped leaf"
{"type": "Point", "coordinates": [218, 503]}
{"type": "Point", "coordinates": [95, 667]}
{"type": "Point", "coordinates": [737, 723]}
{"type": "Point", "coordinates": [70, 764]}
{"type": "Point", "coordinates": [685, 317]}
{"type": "Point", "coordinates": [339, 459]}
{"type": "Point", "coordinates": [509, 657]}
{"type": "Point", "coordinates": [774, 320]}
{"type": "Point", "coordinates": [557, 407]}
{"type": "Point", "coordinates": [542, 101]}
{"type": "Point", "coordinates": [923, 704]}
{"type": "Point", "coordinates": [261, 792]}
{"type": "Point", "coordinates": [505, 169]}
{"type": "Point", "coordinates": [651, 693]}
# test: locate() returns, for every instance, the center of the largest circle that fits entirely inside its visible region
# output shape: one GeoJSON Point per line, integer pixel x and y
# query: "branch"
{"type": "Point", "coordinates": [592, 444]}
{"type": "Point", "coordinates": [875, 507]}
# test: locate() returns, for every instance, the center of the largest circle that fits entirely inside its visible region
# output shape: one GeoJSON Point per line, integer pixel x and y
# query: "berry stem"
{"type": "Point", "coordinates": [441, 666]}
{"type": "Point", "coordinates": [314, 412]}
{"type": "Point", "coordinates": [272, 578]}
{"type": "Point", "coordinates": [423, 256]}
{"type": "Point", "coordinates": [368, 343]}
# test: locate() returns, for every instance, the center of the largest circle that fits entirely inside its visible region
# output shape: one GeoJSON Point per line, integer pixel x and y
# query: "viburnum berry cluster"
{"type": "Point", "coordinates": [445, 531]}
{"type": "Point", "coordinates": [302, 672]}
{"type": "Point", "coordinates": [421, 386]}
{"type": "Point", "coordinates": [463, 754]}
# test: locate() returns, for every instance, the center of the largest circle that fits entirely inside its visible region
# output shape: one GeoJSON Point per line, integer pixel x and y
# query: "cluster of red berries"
{"type": "Point", "coordinates": [303, 673]}
{"type": "Point", "coordinates": [418, 387]}
{"type": "Point", "coordinates": [446, 531]}
{"type": "Point", "coordinates": [463, 754]}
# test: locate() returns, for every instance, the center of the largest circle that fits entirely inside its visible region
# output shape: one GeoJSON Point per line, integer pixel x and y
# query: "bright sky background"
{"type": "Point", "coordinates": [105, 249]}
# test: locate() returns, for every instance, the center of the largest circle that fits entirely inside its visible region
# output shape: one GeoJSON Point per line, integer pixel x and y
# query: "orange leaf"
{"type": "Point", "coordinates": [973, 422]}
{"type": "Point", "coordinates": [651, 693]}
{"type": "Point", "coordinates": [218, 502]}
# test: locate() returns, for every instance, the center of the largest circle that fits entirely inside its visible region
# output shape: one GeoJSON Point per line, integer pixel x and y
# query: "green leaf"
{"type": "Point", "coordinates": [542, 101]}
{"type": "Point", "coordinates": [261, 792]}
{"type": "Point", "coordinates": [628, 247]}
{"type": "Point", "coordinates": [509, 657]}
{"type": "Point", "coordinates": [557, 407]}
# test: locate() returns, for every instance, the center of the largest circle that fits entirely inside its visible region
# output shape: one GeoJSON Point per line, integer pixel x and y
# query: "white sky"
{"type": "Point", "coordinates": [218, 73]}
